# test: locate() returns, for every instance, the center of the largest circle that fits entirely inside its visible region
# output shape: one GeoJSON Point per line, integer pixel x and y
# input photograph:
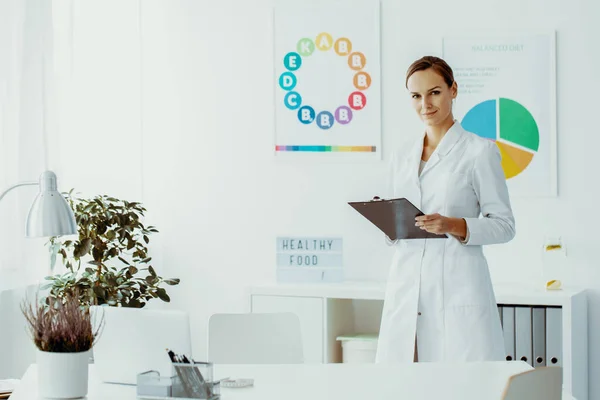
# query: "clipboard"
{"type": "Point", "coordinates": [395, 218]}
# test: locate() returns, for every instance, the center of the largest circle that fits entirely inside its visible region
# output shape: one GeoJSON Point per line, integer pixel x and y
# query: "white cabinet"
{"type": "Point", "coordinates": [329, 310]}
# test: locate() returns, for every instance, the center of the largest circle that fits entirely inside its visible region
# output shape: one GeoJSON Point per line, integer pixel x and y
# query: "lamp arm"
{"type": "Point", "coordinates": [16, 186]}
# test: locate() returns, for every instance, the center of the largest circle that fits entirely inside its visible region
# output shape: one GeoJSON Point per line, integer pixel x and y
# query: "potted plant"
{"type": "Point", "coordinates": [108, 264]}
{"type": "Point", "coordinates": [64, 334]}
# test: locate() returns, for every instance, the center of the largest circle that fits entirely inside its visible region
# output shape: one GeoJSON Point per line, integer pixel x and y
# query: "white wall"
{"type": "Point", "coordinates": [203, 144]}
{"type": "Point", "coordinates": [97, 148]}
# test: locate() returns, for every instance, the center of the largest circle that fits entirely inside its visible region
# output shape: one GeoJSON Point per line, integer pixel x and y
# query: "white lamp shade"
{"type": "Point", "coordinates": [50, 214]}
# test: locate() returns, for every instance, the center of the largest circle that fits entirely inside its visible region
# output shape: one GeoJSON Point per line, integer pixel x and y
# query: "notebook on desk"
{"type": "Point", "coordinates": [134, 341]}
{"type": "Point", "coordinates": [7, 386]}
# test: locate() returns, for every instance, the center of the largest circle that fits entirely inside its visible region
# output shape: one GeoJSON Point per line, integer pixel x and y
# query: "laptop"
{"type": "Point", "coordinates": [135, 340]}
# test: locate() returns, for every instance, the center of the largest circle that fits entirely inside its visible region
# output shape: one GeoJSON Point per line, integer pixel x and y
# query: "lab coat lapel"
{"type": "Point", "coordinates": [415, 160]}
{"type": "Point", "coordinates": [446, 144]}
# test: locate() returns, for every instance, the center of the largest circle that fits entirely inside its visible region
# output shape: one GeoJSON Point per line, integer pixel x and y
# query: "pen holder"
{"type": "Point", "coordinates": [188, 381]}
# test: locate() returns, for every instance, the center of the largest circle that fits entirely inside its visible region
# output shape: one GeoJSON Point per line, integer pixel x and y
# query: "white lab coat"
{"type": "Point", "coordinates": [439, 290]}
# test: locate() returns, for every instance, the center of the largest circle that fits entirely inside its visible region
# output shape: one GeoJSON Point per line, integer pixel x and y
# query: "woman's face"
{"type": "Point", "coordinates": [431, 96]}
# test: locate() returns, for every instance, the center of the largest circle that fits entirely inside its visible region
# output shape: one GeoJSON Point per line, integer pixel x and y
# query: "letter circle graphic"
{"type": "Point", "coordinates": [355, 101]}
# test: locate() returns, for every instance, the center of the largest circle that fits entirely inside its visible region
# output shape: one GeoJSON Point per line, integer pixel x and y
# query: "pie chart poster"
{"type": "Point", "coordinates": [327, 82]}
{"type": "Point", "coordinates": [507, 95]}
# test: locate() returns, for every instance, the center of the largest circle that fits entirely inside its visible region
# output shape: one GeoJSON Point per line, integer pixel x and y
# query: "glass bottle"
{"type": "Point", "coordinates": [554, 268]}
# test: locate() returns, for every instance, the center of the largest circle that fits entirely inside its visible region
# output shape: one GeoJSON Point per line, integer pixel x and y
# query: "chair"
{"type": "Point", "coordinates": [543, 383]}
{"type": "Point", "coordinates": [134, 340]}
{"type": "Point", "coordinates": [255, 338]}
{"type": "Point", "coordinates": [17, 350]}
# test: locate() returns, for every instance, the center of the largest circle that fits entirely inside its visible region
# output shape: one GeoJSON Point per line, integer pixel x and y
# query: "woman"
{"type": "Point", "coordinates": [440, 304]}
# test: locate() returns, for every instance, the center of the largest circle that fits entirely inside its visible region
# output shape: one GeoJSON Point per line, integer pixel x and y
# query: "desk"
{"type": "Point", "coordinates": [467, 381]}
{"type": "Point", "coordinates": [329, 310]}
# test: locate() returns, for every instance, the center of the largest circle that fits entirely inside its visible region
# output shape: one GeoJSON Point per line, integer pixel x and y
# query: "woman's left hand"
{"type": "Point", "coordinates": [434, 223]}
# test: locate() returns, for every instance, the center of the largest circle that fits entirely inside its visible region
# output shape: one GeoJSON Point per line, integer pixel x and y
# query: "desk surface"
{"type": "Point", "coordinates": [467, 381]}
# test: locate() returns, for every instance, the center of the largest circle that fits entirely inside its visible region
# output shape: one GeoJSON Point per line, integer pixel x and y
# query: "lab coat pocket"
{"type": "Point", "coordinates": [464, 281]}
{"type": "Point", "coordinates": [468, 335]}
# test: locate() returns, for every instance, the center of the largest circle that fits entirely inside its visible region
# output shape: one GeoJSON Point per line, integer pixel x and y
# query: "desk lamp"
{"type": "Point", "coordinates": [50, 214]}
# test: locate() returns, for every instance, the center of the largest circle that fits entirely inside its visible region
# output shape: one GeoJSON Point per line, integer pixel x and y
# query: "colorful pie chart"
{"type": "Point", "coordinates": [511, 126]}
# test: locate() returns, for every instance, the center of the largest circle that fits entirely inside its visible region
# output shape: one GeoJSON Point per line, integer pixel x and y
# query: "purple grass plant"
{"type": "Point", "coordinates": [64, 326]}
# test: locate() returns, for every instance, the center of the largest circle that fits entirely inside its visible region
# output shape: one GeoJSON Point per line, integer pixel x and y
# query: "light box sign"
{"type": "Point", "coordinates": [309, 259]}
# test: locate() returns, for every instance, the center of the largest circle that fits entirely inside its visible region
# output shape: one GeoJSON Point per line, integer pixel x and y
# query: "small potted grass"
{"type": "Point", "coordinates": [64, 334]}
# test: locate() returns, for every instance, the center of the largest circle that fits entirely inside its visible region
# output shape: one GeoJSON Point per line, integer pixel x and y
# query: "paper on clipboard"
{"type": "Point", "coordinates": [395, 218]}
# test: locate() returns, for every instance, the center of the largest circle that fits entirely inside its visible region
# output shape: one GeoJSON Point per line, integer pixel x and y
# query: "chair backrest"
{"type": "Point", "coordinates": [543, 383]}
{"type": "Point", "coordinates": [17, 350]}
{"type": "Point", "coordinates": [255, 338]}
{"type": "Point", "coordinates": [135, 340]}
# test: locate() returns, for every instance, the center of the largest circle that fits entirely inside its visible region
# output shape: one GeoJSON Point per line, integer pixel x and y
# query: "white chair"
{"type": "Point", "coordinates": [134, 340]}
{"type": "Point", "coordinates": [17, 350]}
{"type": "Point", "coordinates": [255, 338]}
{"type": "Point", "coordinates": [543, 383]}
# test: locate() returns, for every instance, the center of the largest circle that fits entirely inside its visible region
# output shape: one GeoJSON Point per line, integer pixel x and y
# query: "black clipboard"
{"type": "Point", "coordinates": [395, 218]}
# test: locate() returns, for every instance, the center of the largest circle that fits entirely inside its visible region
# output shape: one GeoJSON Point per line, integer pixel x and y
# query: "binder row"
{"type": "Point", "coordinates": [532, 334]}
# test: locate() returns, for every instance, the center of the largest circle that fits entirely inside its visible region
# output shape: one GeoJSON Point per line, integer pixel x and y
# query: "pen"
{"type": "Point", "coordinates": [171, 355]}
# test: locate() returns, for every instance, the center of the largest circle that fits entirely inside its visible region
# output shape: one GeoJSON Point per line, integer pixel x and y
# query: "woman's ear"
{"type": "Point", "coordinates": [454, 90]}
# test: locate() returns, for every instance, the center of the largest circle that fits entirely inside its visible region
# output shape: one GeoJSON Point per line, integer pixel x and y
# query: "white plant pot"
{"type": "Point", "coordinates": [62, 375]}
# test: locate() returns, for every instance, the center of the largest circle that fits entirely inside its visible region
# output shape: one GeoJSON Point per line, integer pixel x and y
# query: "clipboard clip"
{"type": "Point", "coordinates": [376, 198]}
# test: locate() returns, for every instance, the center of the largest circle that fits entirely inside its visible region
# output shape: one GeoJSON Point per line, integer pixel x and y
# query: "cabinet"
{"type": "Point", "coordinates": [329, 310]}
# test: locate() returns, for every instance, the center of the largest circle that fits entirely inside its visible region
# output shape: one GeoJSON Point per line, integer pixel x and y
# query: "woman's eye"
{"type": "Point", "coordinates": [415, 96]}
{"type": "Point", "coordinates": [436, 92]}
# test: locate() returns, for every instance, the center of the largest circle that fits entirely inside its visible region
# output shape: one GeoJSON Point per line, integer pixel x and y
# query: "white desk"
{"type": "Point", "coordinates": [329, 310]}
{"type": "Point", "coordinates": [468, 381]}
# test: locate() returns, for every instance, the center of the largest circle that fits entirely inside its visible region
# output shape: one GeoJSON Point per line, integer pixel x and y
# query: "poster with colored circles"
{"type": "Point", "coordinates": [327, 82]}
{"type": "Point", "coordinates": [507, 94]}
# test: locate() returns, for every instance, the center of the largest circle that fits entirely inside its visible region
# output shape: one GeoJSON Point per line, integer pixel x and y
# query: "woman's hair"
{"type": "Point", "coordinates": [437, 64]}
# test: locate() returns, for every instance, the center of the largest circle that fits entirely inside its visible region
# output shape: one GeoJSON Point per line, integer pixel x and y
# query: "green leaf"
{"type": "Point", "coordinates": [146, 239]}
{"type": "Point", "coordinates": [162, 294]}
{"type": "Point", "coordinates": [111, 235]}
{"type": "Point", "coordinates": [146, 260]}
{"type": "Point", "coordinates": [133, 270]}
{"type": "Point", "coordinates": [172, 282]}
{"type": "Point", "coordinates": [86, 245]}
{"type": "Point", "coordinates": [134, 303]}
